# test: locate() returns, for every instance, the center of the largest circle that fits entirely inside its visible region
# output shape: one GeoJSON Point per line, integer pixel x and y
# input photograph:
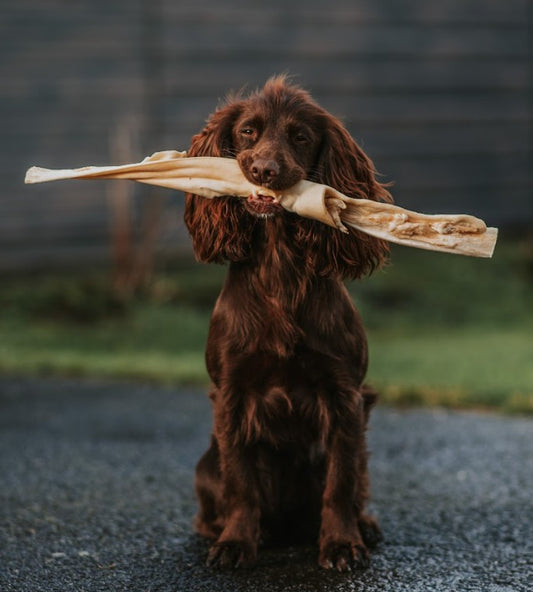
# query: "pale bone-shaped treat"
{"type": "Point", "coordinates": [211, 177]}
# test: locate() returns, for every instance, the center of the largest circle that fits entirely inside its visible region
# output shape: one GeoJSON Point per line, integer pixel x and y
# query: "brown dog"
{"type": "Point", "coordinates": [287, 353]}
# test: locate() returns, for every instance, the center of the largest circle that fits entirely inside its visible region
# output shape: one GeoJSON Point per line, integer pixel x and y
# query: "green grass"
{"type": "Point", "coordinates": [443, 329]}
{"type": "Point", "coordinates": [484, 368]}
{"type": "Point", "coordinates": [453, 331]}
{"type": "Point", "coordinates": [159, 343]}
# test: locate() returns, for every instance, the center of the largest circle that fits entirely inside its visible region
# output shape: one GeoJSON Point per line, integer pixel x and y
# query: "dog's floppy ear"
{"type": "Point", "coordinates": [343, 165]}
{"type": "Point", "coordinates": [216, 137]}
{"type": "Point", "coordinates": [217, 227]}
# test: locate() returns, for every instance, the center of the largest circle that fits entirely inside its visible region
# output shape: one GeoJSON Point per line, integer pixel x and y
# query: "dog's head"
{"type": "Point", "coordinates": [279, 136]}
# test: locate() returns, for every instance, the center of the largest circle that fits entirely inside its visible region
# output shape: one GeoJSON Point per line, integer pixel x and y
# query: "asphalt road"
{"type": "Point", "coordinates": [96, 495]}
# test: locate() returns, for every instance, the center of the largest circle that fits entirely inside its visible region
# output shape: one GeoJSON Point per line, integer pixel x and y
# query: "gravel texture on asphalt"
{"type": "Point", "coordinates": [96, 494]}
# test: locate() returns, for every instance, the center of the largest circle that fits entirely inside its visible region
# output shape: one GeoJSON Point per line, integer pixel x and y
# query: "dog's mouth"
{"type": "Point", "coordinates": [262, 206]}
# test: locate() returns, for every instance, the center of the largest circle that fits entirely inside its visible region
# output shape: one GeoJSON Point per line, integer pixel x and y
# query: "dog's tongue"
{"type": "Point", "coordinates": [260, 197]}
{"type": "Point", "coordinates": [263, 204]}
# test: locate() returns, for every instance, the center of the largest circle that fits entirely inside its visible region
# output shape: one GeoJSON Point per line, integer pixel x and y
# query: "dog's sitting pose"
{"type": "Point", "coordinates": [286, 352]}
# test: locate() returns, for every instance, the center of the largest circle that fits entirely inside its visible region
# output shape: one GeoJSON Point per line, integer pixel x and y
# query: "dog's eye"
{"type": "Point", "coordinates": [247, 131]}
{"type": "Point", "coordinates": [300, 138]}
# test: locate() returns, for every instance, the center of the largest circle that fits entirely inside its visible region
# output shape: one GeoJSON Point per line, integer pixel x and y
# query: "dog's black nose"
{"type": "Point", "coordinates": [264, 170]}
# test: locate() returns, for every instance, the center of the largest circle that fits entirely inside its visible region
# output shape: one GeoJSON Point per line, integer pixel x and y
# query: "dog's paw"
{"type": "Point", "coordinates": [231, 554]}
{"type": "Point", "coordinates": [370, 531]}
{"type": "Point", "coordinates": [343, 556]}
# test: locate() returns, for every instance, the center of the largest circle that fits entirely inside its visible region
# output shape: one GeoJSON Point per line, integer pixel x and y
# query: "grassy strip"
{"type": "Point", "coordinates": [161, 344]}
{"type": "Point", "coordinates": [443, 330]}
{"type": "Point", "coordinates": [480, 367]}
{"type": "Point", "coordinates": [484, 368]}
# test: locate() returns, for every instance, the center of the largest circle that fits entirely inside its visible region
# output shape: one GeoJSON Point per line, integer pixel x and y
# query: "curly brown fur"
{"type": "Point", "coordinates": [286, 352]}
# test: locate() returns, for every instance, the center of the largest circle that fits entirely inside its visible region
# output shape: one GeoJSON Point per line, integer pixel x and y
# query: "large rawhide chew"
{"type": "Point", "coordinates": [211, 177]}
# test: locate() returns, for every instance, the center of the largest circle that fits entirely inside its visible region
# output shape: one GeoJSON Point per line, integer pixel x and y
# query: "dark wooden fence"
{"type": "Point", "coordinates": [436, 92]}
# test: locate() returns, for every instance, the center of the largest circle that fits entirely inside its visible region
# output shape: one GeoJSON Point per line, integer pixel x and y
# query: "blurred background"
{"type": "Point", "coordinates": [98, 277]}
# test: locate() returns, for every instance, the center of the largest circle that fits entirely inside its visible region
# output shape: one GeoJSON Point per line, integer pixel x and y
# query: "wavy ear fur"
{"type": "Point", "coordinates": [343, 165]}
{"type": "Point", "coordinates": [218, 229]}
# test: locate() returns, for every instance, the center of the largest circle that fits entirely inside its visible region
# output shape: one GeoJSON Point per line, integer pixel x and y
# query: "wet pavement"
{"type": "Point", "coordinates": [96, 494]}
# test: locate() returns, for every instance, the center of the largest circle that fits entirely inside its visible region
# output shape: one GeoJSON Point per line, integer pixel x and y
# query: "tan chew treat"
{"type": "Point", "coordinates": [211, 177]}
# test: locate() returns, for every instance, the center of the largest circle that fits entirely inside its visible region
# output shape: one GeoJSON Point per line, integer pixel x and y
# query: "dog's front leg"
{"type": "Point", "coordinates": [341, 543]}
{"type": "Point", "coordinates": [237, 544]}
